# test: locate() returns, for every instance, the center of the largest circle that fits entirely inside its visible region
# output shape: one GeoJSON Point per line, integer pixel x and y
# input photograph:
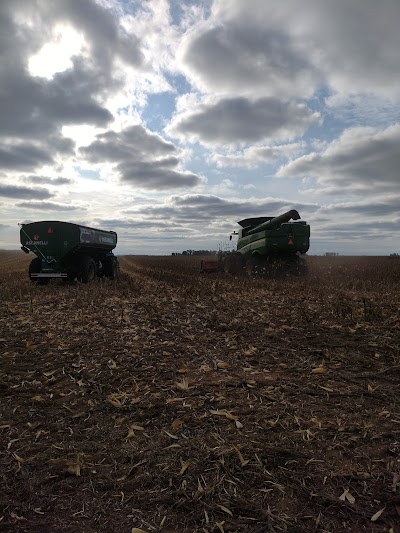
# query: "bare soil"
{"type": "Point", "coordinates": [175, 401]}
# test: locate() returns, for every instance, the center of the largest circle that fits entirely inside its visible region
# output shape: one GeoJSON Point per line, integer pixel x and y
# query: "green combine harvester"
{"type": "Point", "coordinates": [69, 251]}
{"type": "Point", "coordinates": [265, 244]}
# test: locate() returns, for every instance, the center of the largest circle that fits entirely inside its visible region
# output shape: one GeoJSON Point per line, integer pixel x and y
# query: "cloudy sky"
{"type": "Point", "coordinates": [170, 120]}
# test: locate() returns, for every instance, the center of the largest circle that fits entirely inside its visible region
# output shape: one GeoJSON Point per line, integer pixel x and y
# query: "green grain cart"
{"type": "Point", "coordinates": [68, 251]}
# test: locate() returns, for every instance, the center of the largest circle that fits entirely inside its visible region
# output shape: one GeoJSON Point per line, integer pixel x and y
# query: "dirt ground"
{"type": "Point", "coordinates": [175, 401]}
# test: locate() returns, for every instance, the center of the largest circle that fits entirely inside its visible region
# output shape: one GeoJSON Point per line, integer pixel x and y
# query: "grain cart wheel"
{"type": "Point", "coordinates": [111, 268]}
{"type": "Point", "coordinates": [87, 270]}
{"type": "Point", "coordinates": [114, 268]}
{"type": "Point", "coordinates": [70, 277]}
{"type": "Point", "coordinates": [34, 268]}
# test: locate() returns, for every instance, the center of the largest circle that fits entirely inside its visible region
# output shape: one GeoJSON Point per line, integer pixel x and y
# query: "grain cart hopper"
{"type": "Point", "coordinates": [263, 240]}
{"type": "Point", "coordinates": [68, 251]}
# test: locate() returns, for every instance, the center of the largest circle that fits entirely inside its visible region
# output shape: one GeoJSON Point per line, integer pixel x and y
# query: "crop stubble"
{"type": "Point", "coordinates": [174, 401]}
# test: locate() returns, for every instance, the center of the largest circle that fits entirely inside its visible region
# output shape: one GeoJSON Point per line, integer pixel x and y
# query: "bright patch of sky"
{"type": "Point", "coordinates": [170, 120]}
{"type": "Point", "coordinates": [55, 56]}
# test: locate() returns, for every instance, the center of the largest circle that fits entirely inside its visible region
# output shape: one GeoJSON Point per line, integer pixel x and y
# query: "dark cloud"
{"type": "Point", "coordinates": [360, 231]}
{"type": "Point", "coordinates": [364, 157]}
{"type": "Point", "coordinates": [134, 224]}
{"type": "Point", "coordinates": [275, 48]}
{"type": "Point", "coordinates": [240, 120]}
{"type": "Point", "coordinates": [241, 58]}
{"type": "Point", "coordinates": [26, 193]}
{"type": "Point", "coordinates": [23, 156]}
{"type": "Point", "coordinates": [353, 44]}
{"type": "Point", "coordinates": [45, 180]}
{"type": "Point", "coordinates": [134, 143]}
{"type": "Point", "coordinates": [200, 208]}
{"type": "Point", "coordinates": [50, 206]}
{"type": "Point", "coordinates": [37, 107]}
{"type": "Point", "coordinates": [371, 209]}
{"type": "Point", "coordinates": [156, 174]}
{"type": "Point", "coordinates": [141, 158]}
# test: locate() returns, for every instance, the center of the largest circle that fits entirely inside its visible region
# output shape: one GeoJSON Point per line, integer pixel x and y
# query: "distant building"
{"type": "Point", "coordinates": [331, 254]}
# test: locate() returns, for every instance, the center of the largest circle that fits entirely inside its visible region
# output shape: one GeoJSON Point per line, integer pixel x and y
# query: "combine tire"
{"type": "Point", "coordinates": [228, 265]}
{"type": "Point", "coordinates": [34, 268]}
{"type": "Point", "coordinates": [234, 264]}
{"type": "Point", "coordinates": [87, 270]}
{"type": "Point", "coordinates": [238, 264]}
{"type": "Point", "coordinates": [254, 265]}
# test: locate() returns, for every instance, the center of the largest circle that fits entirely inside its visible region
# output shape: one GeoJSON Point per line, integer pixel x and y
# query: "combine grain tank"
{"type": "Point", "coordinates": [68, 251]}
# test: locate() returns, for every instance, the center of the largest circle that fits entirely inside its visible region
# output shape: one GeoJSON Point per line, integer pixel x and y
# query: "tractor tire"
{"type": "Point", "coordinates": [87, 270]}
{"type": "Point", "coordinates": [35, 267]}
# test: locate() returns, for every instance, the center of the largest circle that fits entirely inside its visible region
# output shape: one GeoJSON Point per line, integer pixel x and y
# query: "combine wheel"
{"type": "Point", "coordinates": [228, 265]}
{"type": "Point", "coordinates": [254, 265]}
{"type": "Point", "coordinates": [233, 264]}
{"type": "Point", "coordinates": [301, 267]}
{"type": "Point", "coordinates": [87, 270]}
{"type": "Point", "coordinates": [239, 263]}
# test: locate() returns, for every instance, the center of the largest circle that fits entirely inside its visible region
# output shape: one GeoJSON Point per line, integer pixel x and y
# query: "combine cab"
{"type": "Point", "coordinates": [68, 251]}
{"type": "Point", "coordinates": [267, 243]}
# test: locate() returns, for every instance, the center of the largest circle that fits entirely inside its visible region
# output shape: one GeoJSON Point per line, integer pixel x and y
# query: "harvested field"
{"type": "Point", "coordinates": [178, 402]}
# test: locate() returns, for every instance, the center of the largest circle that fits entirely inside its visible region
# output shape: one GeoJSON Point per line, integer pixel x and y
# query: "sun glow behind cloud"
{"type": "Point", "coordinates": [55, 56]}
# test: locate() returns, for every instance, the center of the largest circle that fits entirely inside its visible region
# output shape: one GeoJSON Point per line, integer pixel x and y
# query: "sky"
{"type": "Point", "coordinates": [168, 121]}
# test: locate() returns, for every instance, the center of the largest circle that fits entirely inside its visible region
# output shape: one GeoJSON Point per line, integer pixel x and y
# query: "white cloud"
{"type": "Point", "coordinates": [55, 56]}
{"type": "Point", "coordinates": [256, 155]}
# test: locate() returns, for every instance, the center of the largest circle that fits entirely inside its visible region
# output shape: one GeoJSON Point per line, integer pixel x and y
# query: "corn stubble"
{"type": "Point", "coordinates": [173, 401]}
